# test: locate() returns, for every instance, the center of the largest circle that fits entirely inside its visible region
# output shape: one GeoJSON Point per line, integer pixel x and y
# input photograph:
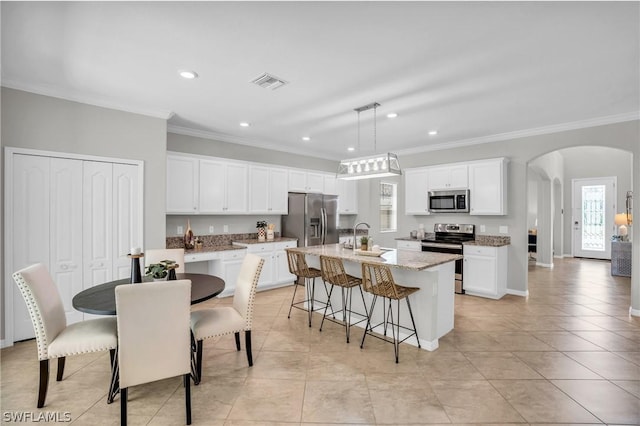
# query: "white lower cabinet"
{"type": "Point", "coordinates": [275, 271]}
{"type": "Point", "coordinates": [485, 271]}
{"type": "Point", "coordinates": [409, 245]}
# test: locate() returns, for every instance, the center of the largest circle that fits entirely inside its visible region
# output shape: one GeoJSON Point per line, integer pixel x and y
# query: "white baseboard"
{"type": "Point", "coordinates": [4, 343]}
{"type": "Point", "coordinates": [518, 292]}
{"type": "Point", "coordinates": [634, 312]}
{"type": "Point", "coordinates": [545, 265]}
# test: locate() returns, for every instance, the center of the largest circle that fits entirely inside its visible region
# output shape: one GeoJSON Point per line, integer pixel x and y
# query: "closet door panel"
{"type": "Point", "coordinates": [30, 230]}
{"type": "Point", "coordinates": [97, 223]}
{"type": "Point", "coordinates": [126, 212]}
{"type": "Point", "coordinates": [66, 231]}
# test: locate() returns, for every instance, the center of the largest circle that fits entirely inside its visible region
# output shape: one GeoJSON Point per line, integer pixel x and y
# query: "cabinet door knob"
{"type": "Point", "coordinates": [64, 267]}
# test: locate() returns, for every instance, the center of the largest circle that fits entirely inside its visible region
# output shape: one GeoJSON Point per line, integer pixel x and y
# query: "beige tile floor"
{"type": "Point", "coordinates": [567, 354]}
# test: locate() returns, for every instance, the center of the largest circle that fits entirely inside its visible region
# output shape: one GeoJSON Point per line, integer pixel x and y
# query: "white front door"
{"type": "Point", "coordinates": [594, 208]}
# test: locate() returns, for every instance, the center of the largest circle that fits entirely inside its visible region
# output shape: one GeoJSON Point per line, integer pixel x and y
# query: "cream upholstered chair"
{"type": "Point", "coordinates": [378, 280]}
{"type": "Point", "coordinates": [156, 255]}
{"type": "Point", "coordinates": [56, 339]}
{"type": "Point", "coordinates": [154, 338]}
{"type": "Point", "coordinates": [218, 321]}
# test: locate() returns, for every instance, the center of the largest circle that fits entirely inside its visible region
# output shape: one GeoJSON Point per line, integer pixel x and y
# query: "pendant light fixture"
{"type": "Point", "coordinates": [373, 166]}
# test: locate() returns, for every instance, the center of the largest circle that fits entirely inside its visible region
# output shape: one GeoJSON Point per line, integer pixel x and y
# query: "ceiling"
{"type": "Point", "coordinates": [475, 72]}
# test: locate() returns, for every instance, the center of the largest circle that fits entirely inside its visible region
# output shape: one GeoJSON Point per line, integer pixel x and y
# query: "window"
{"type": "Point", "coordinates": [388, 207]}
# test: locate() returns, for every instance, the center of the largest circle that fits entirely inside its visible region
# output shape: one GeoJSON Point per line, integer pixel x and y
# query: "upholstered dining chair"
{"type": "Point", "coordinates": [156, 255]}
{"type": "Point", "coordinates": [219, 321]}
{"type": "Point", "coordinates": [54, 338]}
{"type": "Point", "coordinates": [154, 338]}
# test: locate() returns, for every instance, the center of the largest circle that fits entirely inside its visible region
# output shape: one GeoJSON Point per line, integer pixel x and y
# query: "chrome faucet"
{"type": "Point", "coordinates": [355, 228]}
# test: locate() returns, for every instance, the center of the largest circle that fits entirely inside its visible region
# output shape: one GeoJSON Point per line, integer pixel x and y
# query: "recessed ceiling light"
{"type": "Point", "coordinates": [351, 148]}
{"type": "Point", "coordinates": [306, 138]}
{"type": "Point", "coordinates": [189, 75]}
{"type": "Point", "coordinates": [392, 115]}
{"type": "Point", "coordinates": [433, 132]}
{"type": "Point", "coordinates": [245, 124]}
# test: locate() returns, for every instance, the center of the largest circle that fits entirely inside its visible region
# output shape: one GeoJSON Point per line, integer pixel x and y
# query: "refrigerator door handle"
{"type": "Point", "coordinates": [323, 226]}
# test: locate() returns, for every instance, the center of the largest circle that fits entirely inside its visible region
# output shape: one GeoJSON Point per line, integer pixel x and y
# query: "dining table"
{"type": "Point", "coordinates": [101, 300]}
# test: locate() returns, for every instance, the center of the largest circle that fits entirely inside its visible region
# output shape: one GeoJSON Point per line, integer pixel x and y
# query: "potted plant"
{"type": "Point", "coordinates": [159, 271]}
{"type": "Point", "coordinates": [262, 230]}
{"type": "Point", "coordinates": [364, 243]}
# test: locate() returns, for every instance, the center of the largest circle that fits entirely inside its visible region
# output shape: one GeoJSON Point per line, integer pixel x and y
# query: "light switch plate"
{"type": "Point", "coordinates": [225, 228]}
{"type": "Point", "coordinates": [211, 229]}
{"type": "Point", "coordinates": [504, 229]}
{"type": "Point", "coordinates": [483, 228]}
{"type": "Point", "coordinates": [180, 230]}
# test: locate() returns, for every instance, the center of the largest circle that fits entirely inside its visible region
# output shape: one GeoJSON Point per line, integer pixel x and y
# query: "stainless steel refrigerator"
{"type": "Point", "coordinates": [312, 219]}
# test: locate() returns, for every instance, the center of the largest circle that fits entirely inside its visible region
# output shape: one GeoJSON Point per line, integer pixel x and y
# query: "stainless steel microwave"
{"type": "Point", "coordinates": [449, 201]}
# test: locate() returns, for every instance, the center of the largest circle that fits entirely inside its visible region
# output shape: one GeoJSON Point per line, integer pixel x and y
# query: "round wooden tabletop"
{"type": "Point", "coordinates": [101, 299]}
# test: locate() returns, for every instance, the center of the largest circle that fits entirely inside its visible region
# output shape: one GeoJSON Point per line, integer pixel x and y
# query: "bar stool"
{"type": "Point", "coordinates": [298, 267]}
{"type": "Point", "coordinates": [332, 270]}
{"type": "Point", "coordinates": [378, 280]}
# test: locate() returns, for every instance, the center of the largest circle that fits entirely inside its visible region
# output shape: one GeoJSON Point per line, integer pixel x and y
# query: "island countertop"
{"type": "Point", "coordinates": [404, 259]}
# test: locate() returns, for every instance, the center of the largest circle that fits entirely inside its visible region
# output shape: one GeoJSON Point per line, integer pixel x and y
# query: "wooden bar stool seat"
{"type": "Point", "coordinates": [378, 280]}
{"type": "Point", "coordinates": [333, 273]}
{"type": "Point", "coordinates": [306, 277]}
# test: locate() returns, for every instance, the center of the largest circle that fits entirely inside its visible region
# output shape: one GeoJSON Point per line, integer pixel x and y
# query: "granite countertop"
{"type": "Point", "coordinates": [412, 260]}
{"type": "Point", "coordinates": [256, 241]}
{"type": "Point", "coordinates": [481, 240]}
{"type": "Point", "coordinates": [490, 241]}
{"type": "Point", "coordinates": [213, 249]}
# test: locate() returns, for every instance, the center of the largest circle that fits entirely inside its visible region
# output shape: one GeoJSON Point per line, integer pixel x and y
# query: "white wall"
{"type": "Point", "coordinates": [45, 123]}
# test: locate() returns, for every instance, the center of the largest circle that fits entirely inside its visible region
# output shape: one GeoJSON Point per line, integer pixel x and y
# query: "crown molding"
{"type": "Point", "coordinates": [223, 137]}
{"type": "Point", "coordinates": [556, 128]}
{"type": "Point", "coordinates": [61, 94]}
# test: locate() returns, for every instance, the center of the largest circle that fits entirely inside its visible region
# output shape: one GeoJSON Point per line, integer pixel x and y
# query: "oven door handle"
{"type": "Point", "coordinates": [440, 245]}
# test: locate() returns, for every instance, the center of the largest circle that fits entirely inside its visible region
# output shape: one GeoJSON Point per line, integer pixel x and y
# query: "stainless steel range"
{"type": "Point", "coordinates": [448, 238]}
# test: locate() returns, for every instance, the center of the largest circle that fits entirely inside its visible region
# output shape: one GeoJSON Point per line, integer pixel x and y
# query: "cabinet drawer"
{"type": "Point", "coordinates": [201, 257]}
{"type": "Point", "coordinates": [409, 245]}
{"type": "Point", "coordinates": [233, 254]}
{"type": "Point", "coordinates": [480, 250]}
{"type": "Point", "coordinates": [286, 245]}
{"type": "Point", "coordinates": [260, 247]}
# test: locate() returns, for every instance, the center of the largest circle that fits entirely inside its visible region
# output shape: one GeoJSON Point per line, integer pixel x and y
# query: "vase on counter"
{"type": "Point", "coordinates": [262, 234]}
{"type": "Point", "coordinates": [188, 237]}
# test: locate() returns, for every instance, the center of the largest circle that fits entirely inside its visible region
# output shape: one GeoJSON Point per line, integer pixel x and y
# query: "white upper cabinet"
{"type": "Point", "coordinates": [206, 186]}
{"type": "Point", "coordinates": [223, 187]}
{"type": "Point", "coordinates": [267, 190]}
{"type": "Point", "coordinates": [182, 184]}
{"type": "Point", "coordinates": [331, 184]}
{"type": "Point", "coordinates": [487, 187]}
{"type": "Point", "coordinates": [448, 177]}
{"type": "Point", "coordinates": [347, 196]}
{"type": "Point", "coordinates": [416, 187]}
{"type": "Point", "coordinates": [306, 181]}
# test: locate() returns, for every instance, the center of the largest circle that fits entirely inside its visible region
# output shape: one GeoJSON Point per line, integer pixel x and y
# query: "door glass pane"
{"type": "Point", "coordinates": [388, 207]}
{"type": "Point", "coordinates": [593, 220]}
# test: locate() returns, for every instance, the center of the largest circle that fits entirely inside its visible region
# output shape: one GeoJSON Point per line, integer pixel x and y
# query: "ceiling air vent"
{"type": "Point", "coordinates": [268, 81]}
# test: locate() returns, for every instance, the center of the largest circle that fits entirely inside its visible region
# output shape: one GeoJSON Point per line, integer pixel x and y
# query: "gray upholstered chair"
{"type": "Point", "coordinates": [156, 255]}
{"type": "Point", "coordinates": [56, 339]}
{"type": "Point", "coordinates": [154, 338]}
{"type": "Point", "coordinates": [378, 280]}
{"type": "Point", "coordinates": [219, 321]}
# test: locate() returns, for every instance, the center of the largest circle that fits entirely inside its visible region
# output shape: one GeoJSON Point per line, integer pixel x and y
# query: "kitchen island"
{"type": "Point", "coordinates": [433, 273]}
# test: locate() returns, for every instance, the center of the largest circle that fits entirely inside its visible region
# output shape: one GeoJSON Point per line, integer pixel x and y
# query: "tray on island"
{"type": "Point", "coordinates": [370, 253]}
